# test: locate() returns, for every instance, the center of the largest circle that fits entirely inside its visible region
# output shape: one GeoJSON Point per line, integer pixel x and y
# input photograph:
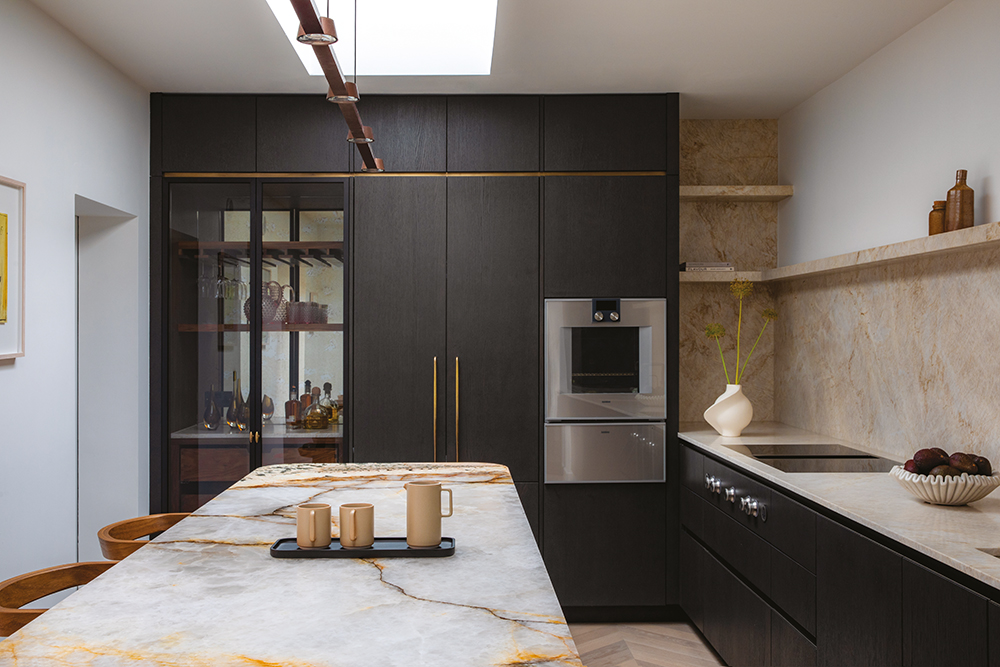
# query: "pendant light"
{"type": "Point", "coordinates": [344, 98]}
{"type": "Point", "coordinates": [367, 136]}
{"type": "Point", "coordinates": [325, 38]}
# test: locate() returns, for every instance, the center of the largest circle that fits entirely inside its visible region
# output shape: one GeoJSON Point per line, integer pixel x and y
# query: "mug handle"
{"type": "Point", "coordinates": [312, 526]}
{"type": "Point", "coordinates": [354, 526]}
{"type": "Point", "coordinates": [451, 503]}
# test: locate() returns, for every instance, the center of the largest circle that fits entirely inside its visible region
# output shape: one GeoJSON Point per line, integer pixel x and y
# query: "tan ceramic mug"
{"type": "Point", "coordinates": [423, 513]}
{"type": "Point", "coordinates": [357, 525]}
{"type": "Point", "coordinates": [312, 526]}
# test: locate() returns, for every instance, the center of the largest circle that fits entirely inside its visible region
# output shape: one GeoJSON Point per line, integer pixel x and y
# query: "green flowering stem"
{"type": "Point", "coordinates": [739, 328]}
{"type": "Point", "coordinates": [752, 349]}
{"type": "Point", "coordinates": [721, 356]}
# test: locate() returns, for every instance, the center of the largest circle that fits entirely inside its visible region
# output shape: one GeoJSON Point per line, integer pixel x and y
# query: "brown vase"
{"type": "Point", "coordinates": [959, 213]}
{"type": "Point", "coordinates": [936, 221]}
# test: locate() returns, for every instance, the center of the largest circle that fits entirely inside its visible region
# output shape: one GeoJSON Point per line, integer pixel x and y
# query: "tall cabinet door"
{"type": "Point", "coordinates": [398, 326]}
{"type": "Point", "coordinates": [493, 311]}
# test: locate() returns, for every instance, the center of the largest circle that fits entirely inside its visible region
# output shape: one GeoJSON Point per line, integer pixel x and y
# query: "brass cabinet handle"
{"type": "Point", "coordinates": [456, 409]}
{"type": "Point", "coordinates": [435, 445]}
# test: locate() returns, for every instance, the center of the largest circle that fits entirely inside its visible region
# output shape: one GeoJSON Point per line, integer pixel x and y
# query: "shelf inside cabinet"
{"type": "Point", "coordinates": [719, 276]}
{"type": "Point", "coordinates": [225, 435]}
{"type": "Point", "coordinates": [287, 252]}
{"type": "Point", "coordinates": [272, 326]}
{"type": "Point", "coordinates": [735, 193]}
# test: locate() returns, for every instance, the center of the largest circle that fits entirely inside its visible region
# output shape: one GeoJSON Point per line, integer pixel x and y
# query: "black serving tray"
{"type": "Point", "coordinates": [384, 547]}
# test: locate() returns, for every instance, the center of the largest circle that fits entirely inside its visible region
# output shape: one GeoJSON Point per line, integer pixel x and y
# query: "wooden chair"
{"type": "Point", "coordinates": [121, 539]}
{"type": "Point", "coordinates": [19, 591]}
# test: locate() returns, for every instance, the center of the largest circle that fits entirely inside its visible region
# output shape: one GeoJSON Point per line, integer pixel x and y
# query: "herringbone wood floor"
{"type": "Point", "coordinates": [642, 645]}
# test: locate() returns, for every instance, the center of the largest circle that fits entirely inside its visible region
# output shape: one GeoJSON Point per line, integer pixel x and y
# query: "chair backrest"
{"type": "Point", "coordinates": [119, 540]}
{"type": "Point", "coordinates": [19, 591]}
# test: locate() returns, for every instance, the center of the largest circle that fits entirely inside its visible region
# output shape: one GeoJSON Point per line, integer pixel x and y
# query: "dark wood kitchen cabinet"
{"type": "Point", "coordinates": [607, 236]}
{"type": "Point", "coordinates": [604, 544]}
{"type": "Point", "coordinates": [398, 256]}
{"type": "Point", "coordinates": [611, 133]}
{"type": "Point", "coordinates": [303, 133]}
{"type": "Point", "coordinates": [858, 614]}
{"type": "Point", "coordinates": [493, 322]}
{"type": "Point", "coordinates": [936, 612]}
{"type": "Point", "coordinates": [493, 133]}
{"type": "Point", "coordinates": [411, 131]}
{"type": "Point", "coordinates": [446, 291]}
{"type": "Point", "coordinates": [208, 133]}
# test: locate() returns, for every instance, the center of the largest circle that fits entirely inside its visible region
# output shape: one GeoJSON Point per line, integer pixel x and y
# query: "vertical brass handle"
{"type": "Point", "coordinates": [435, 443]}
{"type": "Point", "coordinates": [456, 410]}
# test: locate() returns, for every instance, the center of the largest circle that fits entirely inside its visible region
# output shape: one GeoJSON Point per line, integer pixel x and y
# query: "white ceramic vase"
{"type": "Point", "coordinates": [731, 412]}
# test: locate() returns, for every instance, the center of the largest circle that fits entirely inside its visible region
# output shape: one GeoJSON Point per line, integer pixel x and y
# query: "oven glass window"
{"type": "Point", "coordinates": [605, 360]}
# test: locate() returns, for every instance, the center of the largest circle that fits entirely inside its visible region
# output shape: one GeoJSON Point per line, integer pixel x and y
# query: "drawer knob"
{"type": "Point", "coordinates": [730, 494]}
{"type": "Point", "coordinates": [708, 481]}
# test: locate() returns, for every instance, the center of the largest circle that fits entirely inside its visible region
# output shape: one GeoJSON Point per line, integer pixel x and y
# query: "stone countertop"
{"type": "Point", "coordinates": [952, 535]}
{"type": "Point", "coordinates": [207, 592]}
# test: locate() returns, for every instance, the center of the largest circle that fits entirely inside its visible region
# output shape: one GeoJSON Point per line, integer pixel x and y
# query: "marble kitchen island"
{"type": "Point", "coordinates": [207, 592]}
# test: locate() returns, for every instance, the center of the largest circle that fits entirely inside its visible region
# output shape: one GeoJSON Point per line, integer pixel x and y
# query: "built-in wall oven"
{"type": "Point", "coordinates": [605, 390]}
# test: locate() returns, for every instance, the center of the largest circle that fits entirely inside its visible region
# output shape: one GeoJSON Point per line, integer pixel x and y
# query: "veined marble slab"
{"type": "Point", "coordinates": [952, 535]}
{"type": "Point", "coordinates": [207, 592]}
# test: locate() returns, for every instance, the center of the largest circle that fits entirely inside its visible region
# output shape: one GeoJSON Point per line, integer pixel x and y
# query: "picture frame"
{"type": "Point", "coordinates": [12, 222]}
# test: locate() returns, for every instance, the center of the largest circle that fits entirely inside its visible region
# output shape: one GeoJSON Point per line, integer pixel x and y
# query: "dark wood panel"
{"type": "Point", "coordinates": [606, 236]}
{"type": "Point", "coordinates": [156, 134]}
{"type": "Point", "coordinates": [744, 486]}
{"type": "Point", "coordinates": [398, 255]}
{"type": "Point", "coordinates": [589, 568]}
{"type": "Point", "coordinates": [493, 326]}
{"type": "Point", "coordinates": [789, 647]}
{"type": "Point", "coordinates": [791, 527]}
{"type": "Point", "coordinates": [693, 511]}
{"type": "Point", "coordinates": [994, 622]}
{"type": "Point", "coordinates": [692, 579]}
{"type": "Point", "coordinates": [944, 624]}
{"type": "Point", "coordinates": [692, 469]}
{"type": "Point", "coordinates": [605, 132]}
{"type": "Point", "coordinates": [793, 589]}
{"type": "Point", "coordinates": [301, 133]}
{"type": "Point", "coordinates": [528, 493]}
{"type": "Point", "coordinates": [673, 137]}
{"type": "Point", "coordinates": [209, 133]}
{"type": "Point", "coordinates": [493, 133]}
{"type": "Point", "coordinates": [740, 548]}
{"type": "Point", "coordinates": [410, 131]}
{"type": "Point", "coordinates": [737, 622]}
{"type": "Point", "coordinates": [858, 599]}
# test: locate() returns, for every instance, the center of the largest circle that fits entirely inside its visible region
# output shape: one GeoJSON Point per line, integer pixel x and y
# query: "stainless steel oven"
{"type": "Point", "coordinates": [605, 390]}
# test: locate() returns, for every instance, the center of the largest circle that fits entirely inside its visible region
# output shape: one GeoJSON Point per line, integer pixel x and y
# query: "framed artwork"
{"type": "Point", "coordinates": [12, 202]}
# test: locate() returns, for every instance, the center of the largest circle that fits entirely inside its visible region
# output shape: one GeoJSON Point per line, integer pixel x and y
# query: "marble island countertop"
{"type": "Point", "coordinates": [952, 535]}
{"type": "Point", "coordinates": [207, 593]}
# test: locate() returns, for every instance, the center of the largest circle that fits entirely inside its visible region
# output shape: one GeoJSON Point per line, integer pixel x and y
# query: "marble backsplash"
{"type": "Point", "coordinates": [897, 357]}
{"type": "Point", "coordinates": [726, 152]}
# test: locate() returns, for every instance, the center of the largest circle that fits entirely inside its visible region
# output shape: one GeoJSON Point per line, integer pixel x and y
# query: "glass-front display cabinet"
{"type": "Point", "coordinates": [254, 332]}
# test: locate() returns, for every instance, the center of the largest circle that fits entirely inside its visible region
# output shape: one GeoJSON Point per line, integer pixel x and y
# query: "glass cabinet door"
{"type": "Point", "coordinates": [302, 343]}
{"type": "Point", "coordinates": [208, 340]}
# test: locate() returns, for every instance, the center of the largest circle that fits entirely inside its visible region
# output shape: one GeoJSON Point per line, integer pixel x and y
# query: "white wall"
{"type": "Point", "coordinates": [70, 124]}
{"type": "Point", "coordinates": [870, 153]}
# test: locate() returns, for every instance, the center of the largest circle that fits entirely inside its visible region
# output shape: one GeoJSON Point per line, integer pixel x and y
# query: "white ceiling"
{"type": "Point", "coordinates": [728, 58]}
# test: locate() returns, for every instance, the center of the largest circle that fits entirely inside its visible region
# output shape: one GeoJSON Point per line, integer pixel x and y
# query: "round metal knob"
{"type": "Point", "coordinates": [753, 507]}
{"type": "Point", "coordinates": [614, 316]}
{"type": "Point", "coordinates": [598, 316]}
{"type": "Point", "coordinates": [716, 485]}
{"type": "Point", "coordinates": [730, 494]}
{"type": "Point", "coordinates": [708, 481]}
{"type": "Point", "coordinates": [744, 501]}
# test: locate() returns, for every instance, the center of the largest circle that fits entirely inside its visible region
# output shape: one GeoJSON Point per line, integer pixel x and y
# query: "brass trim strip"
{"type": "Point", "coordinates": [424, 174]}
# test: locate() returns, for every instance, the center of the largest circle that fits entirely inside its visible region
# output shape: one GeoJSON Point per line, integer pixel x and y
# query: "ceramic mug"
{"type": "Point", "coordinates": [312, 526]}
{"type": "Point", "coordinates": [357, 525]}
{"type": "Point", "coordinates": [423, 513]}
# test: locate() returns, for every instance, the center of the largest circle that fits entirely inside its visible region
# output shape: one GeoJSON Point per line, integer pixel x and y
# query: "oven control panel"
{"type": "Point", "coordinates": [607, 310]}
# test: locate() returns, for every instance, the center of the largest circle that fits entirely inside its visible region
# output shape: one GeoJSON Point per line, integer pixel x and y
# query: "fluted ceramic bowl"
{"type": "Point", "coordinates": [940, 490]}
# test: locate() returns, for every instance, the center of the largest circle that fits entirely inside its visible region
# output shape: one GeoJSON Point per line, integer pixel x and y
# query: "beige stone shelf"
{"type": "Point", "coordinates": [719, 276]}
{"type": "Point", "coordinates": [735, 193]}
{"type": "Point", "coordinates": [929, 245]}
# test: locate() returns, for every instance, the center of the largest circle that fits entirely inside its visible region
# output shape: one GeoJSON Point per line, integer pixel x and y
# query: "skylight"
{"type": "Point", "coordinates": [403, 37]}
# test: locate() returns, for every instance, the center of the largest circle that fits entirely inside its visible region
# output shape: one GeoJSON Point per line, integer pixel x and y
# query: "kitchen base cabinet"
{"type": "Point", "coordinates": [605, 544]}
{"type": "Point", "coordinates": [858, 615]}
{"type": "Point", "coordinates": [944, 623]}
{"type": "Point", "coordinates": [692, 592]}
{"type": "Point", "coordinates": [737, 622]}
{"type": "Point", "coordinates": [528, 493]}
{"type": "Point", "coordinates": [789, 647]}
{"type": "Point", "coordinates": [994, 628]}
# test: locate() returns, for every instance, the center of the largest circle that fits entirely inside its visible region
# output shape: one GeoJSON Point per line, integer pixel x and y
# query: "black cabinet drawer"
{"type": "Point", "coordinates": [742, 487]}
{"type": "Point", "coordinates": [994, 626]}
{"type": "Point", "coordinates": [791, 527]}
{"type": "Point", "coordinates": [737, 622]}
{"type": "Point", "coordinates": [793, 589]}
{"type": "Point", "coordinates": [944, 623]}
{"type": "Point", "coordinates": [789, 647]}
{"type": "Point", "coordinates": [692, 470]}
{"type": "Point", "coordinates": [693, 511]}
{"type": "Point", "coordinates": [745, 552]}
{"type": "Point", "coordinates": [692, 580]}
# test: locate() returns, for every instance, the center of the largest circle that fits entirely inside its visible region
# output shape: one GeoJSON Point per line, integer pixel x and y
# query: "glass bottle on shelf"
{"type": "Point", "coordinates": [306, 399]}
{"type": "Point", "coordinates": [232, 410]}
{"type": "Point", "coordinates": [315, 418]}
{"type": "Point", "coordinates": [212, 417]}
{"type": "Point", "coordinates": [292, 408]}
{"type": "Point", "coordinates": [267, 408]}
{"type": "Point", "coordinates": [328, 403]}
{"type": "Point", "coordinates": [238, 415]}
{"type": "Point", "coordinates": [340, 409]}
